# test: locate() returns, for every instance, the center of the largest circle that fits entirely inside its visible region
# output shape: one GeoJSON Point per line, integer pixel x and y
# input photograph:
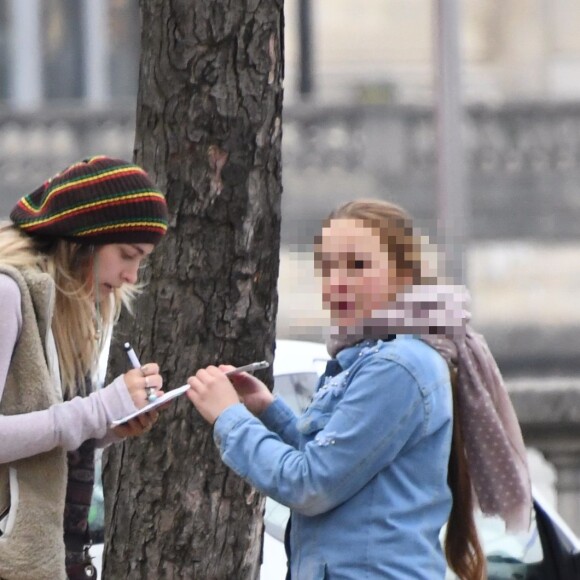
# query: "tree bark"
{"type": "Point", "coordinates": [209, 132]}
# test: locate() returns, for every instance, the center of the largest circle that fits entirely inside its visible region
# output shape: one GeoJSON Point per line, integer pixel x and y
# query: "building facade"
{"type": "Point", "coordinates": [87, 51]}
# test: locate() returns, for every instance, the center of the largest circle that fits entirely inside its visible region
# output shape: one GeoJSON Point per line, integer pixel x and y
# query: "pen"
{"type": "Point", "coordinates": [255, 366]}
{"type": "Point", "coordinates": [137, 365]}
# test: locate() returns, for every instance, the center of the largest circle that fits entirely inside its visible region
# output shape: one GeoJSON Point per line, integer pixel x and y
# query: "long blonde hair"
{"type": "Point", "coordinates": [79, 324]}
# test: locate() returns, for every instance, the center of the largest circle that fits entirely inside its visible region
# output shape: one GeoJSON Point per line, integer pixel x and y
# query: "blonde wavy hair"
{"type": "Point", "coordinates": [79, 324]}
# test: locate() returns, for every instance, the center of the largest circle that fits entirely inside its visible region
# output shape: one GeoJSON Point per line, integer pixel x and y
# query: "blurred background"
{"type": "Point", "coordinates": [466, 113]}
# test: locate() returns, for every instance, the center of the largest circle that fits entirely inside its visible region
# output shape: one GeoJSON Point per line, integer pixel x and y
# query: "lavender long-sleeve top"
{"type": "Point", "coordinates": [64, 425]}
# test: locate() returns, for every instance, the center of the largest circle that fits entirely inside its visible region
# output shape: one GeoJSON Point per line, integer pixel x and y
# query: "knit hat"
{"type": "Point", "coordinates": [96, 201]}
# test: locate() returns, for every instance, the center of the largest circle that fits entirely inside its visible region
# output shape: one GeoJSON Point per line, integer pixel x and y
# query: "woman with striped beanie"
{"type": "Point", "coordinates": [69, 259]}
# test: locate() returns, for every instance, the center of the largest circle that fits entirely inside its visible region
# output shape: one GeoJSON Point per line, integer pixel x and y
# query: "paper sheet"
{"type": "Point", "coordinates": [160, 401]}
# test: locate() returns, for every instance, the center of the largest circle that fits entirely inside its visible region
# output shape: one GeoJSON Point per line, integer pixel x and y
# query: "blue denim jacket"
{"type": "Point", "coordinates": [364, 469]}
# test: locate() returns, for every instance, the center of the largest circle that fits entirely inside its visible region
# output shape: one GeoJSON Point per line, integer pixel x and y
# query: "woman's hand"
{"type": "Point", "coordinates": [253, 393]}
{"type": "Point", "coordinates": [211, 392]}
{"type": "Point", "coordinates": [137, 426]}
{"type": "Point", "coordinates": [138, 382]}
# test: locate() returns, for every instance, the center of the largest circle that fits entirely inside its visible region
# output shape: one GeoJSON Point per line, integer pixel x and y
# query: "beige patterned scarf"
{"type": "Point", "coordinates": [494, 447]}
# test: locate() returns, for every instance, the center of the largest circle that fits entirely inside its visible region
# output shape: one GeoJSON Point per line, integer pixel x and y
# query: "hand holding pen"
{"type": "Point", "coordinates": [212, 391]}
{"type": "Point", "coordinates": [147, 380]}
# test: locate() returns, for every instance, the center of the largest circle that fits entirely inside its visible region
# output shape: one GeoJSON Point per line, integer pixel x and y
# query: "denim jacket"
{"type": "Point", "coordinates": [364, 469]}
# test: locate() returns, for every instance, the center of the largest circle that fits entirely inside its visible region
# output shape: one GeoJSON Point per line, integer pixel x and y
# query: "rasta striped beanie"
{"type": "Point", "coordinates": [95, 201]}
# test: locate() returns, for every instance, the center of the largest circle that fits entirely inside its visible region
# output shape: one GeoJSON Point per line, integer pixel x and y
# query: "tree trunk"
{"type": "Point", "coordinates": [209, 132]}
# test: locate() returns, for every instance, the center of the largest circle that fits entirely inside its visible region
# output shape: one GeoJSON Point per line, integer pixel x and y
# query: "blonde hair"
{"type": "Point", "coordinates": [79, 324]}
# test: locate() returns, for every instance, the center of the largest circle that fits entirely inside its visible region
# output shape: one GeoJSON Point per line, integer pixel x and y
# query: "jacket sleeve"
{"type": "Point", "coordinates": [381, 411]}
{"type": "Point", "coordinates": [280, 419]}
{"type": "Point", "coordinates": [64, 425]}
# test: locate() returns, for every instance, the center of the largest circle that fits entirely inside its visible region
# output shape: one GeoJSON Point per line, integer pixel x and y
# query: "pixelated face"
{"type": "Point", "coordinates": [358, 275]}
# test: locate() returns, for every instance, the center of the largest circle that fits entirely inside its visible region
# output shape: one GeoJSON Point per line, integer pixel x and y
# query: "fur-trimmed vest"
{"type": "Point", "coordinates": [33, 489]}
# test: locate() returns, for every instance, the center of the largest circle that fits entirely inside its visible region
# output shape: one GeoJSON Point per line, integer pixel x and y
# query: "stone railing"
{"type": "Point", "coordinates": [523, 161]}
{"type": "Point", "coordinates": [33, 146]}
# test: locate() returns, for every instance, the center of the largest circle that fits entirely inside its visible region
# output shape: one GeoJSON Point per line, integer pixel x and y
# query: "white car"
{"type": "Point", "coordinates": [549, 551]}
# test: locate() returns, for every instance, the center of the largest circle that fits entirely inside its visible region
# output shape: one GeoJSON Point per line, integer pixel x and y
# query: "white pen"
{"type": "Point", "coordinates": [137, 365]}
{"type": "Point", "coordinates": [255, 366]}
{"type": "Point", "coordinates": [132, 356]}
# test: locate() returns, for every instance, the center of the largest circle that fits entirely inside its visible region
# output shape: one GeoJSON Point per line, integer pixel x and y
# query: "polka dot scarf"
{"type": "Point", "coordinates": [493, 441]}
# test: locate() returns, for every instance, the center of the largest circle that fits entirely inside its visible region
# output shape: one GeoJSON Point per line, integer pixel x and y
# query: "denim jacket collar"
{"type": "Point", "coordinates": [347, 356]}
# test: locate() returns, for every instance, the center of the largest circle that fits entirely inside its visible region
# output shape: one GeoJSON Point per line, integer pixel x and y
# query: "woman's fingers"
{"type": "Point", "coordinates": [150, 369]}
{"type": "Point", "coordinates": [140, 386]}
{"type": "Point", "coordinates": [211, 392]}
{"type": "Point", "coordinates": [137, 426]}
{"type": "Point", "coordinates": [147, 420]}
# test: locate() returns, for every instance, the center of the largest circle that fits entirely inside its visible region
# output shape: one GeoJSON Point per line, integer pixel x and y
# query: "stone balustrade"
{"type": "Point", "coordinates": [524, 161]}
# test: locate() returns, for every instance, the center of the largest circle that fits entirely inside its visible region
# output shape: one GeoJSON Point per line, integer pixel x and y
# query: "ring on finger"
{"type": "Point", "coordinates": [151, 396]}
